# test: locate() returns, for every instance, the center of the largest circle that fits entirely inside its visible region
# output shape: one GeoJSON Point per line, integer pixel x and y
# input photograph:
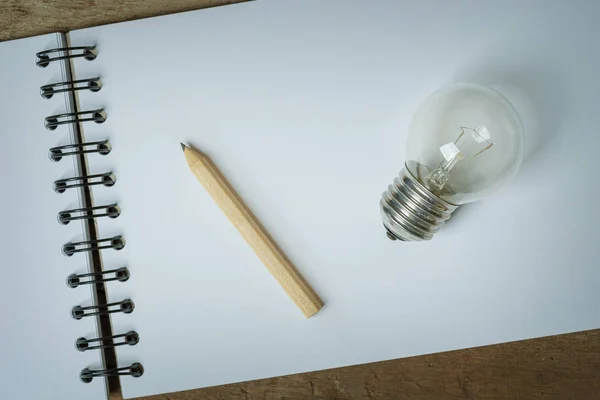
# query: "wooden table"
{"type": "Point", "coordinates": [560, 367]}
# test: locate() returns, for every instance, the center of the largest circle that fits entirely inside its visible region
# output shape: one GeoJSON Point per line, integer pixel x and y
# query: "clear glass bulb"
{"type": "Point", "coordinates": [464, 142]}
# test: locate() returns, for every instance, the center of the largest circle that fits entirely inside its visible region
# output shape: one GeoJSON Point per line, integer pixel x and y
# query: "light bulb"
{"type": "Point", "coordinates": [464, 142]}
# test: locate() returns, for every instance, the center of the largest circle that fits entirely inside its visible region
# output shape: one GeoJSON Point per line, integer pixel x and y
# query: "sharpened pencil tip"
{"type": "Point", "coordinates": [183, 146]}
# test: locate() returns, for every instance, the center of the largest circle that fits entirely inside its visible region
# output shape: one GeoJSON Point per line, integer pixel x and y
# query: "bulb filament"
{"type": "Point", "coordinates": [469, 144]}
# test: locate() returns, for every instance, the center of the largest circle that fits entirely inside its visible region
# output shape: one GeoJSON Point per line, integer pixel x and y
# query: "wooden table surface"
{"type": "Point", "coordinates": [560, 367]}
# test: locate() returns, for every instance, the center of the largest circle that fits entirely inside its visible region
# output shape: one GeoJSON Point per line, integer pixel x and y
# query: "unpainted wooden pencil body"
{"type": "Point", "coordinates": [251, 230]}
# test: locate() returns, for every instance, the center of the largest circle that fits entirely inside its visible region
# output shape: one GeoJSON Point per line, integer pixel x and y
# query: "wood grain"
{"type": "Point", "coordinates": [565, 367]}
{"type": "Point", "coordinates": [253, 233]}
{"type": "Point", "coordinates": [23, 18]}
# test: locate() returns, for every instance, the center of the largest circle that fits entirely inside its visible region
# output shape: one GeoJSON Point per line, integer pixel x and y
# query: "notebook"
{"type": "Point", "coordinates": [304, 106]}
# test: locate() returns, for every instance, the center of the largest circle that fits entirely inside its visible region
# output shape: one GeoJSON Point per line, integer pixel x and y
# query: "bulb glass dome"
{"type": "Point", "coordinates": [464, 142]}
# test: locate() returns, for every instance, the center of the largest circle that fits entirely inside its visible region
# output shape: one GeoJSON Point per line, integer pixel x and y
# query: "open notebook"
{"type": "Point", "coordinates": [304, 106]}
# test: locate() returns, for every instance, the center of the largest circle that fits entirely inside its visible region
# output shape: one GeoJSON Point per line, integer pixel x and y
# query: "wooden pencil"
{"type": "Point", "coordinates": [251, 230]}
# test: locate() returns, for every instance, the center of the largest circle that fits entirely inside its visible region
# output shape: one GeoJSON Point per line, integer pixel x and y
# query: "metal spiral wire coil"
{"type": "Point", "coordinates": [53, 121]}
{"type": "Point", "coordinates": [101, 147]}
{"type": "Point", "coordinates": [135, 370]}
{"type": "Point", "coordinates": [44, 59]}
{"type": "Point", "coordinates": [115, 242]}
{"type": "Point", "coordinates": [125, 306]}
{"type": "Point", "coordinates": [120, 274]}
{"type": "Point", "coordinates": [109, 210]}
{"type": "Point", "coordinates": [91, 84]}
{"type": "Point", "coordinates": [130, 338]}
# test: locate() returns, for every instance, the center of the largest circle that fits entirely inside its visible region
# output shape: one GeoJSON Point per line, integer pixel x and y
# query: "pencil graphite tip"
{"type": "Point", "coordinates": [183, 146]}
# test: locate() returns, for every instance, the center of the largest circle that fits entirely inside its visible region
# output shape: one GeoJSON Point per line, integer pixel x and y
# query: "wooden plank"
{"type": "Point", "coordinates": [24, 18]}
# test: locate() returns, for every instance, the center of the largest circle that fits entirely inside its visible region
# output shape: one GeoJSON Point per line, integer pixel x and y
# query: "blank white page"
{"type": "Point", "coordinates": [304, 106]}
{"type": "Point", "coordinates": [39, 359]}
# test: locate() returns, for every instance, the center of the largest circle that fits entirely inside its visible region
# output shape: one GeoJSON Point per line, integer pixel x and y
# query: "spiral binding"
{"type": "Point", "coordinates": [101, 147]}
{"type": "Point", "coordinates": [130, 338]}
{"type": "Point", "coordinates": [52, 122]}
{"type": "Point", "coordinates": [56, 154]}
{"type": "Point", "coordinates": [106, 179]}
{"type": "Point", "coordinates": [136, 370]}
{"type": "Point", "coordinates": [125, 306]}
{"type": "Point", "coordinates": [88, 52]}
{"type": "Point", "coordinates": [115, 242]}
{"type": "Point", "coordinates": [110, 210]}
{"type": "Point", "coordinates": [91, 84]}
{"type": "Point", "coordinates": [120, 274]}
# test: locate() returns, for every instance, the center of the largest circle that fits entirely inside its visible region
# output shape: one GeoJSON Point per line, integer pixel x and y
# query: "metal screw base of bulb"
{"type": "Point", "coordinates": [410, 211]}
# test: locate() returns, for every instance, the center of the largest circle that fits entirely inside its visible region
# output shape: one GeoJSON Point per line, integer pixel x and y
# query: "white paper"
{"type": "Point", "coordinates": [38, 359]}
{"type": "Point", "coordinates": [305, 106]}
